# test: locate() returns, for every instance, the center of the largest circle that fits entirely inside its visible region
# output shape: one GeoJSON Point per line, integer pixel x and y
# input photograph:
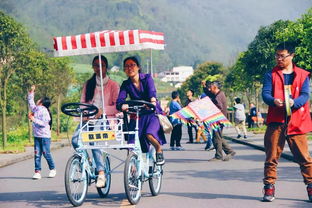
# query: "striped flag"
{"type": "Point", "coordinates": [108, 41]}
{"type": "Point", "coordinates": [204, 111]}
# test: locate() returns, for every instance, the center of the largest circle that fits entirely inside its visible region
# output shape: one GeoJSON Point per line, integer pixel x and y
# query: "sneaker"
{"type": "Point", "coordinates": [214, 159]}
{"type": "Point", "coordinates": [160, 160]}
{"type": "Point", "coordinates": [269, 192]}
{"type": "Point", "coordinates": [211, 148]}
{"type": "Point", "coordinates": [309, 190]}
{"type": "Point", "coordinates": [189, 142]}
{"type": "Point", "coordinates": [245, 137]}
{"type": "Point", "coordinates": [52, 173]}
{"type": "Point", "coordinates": [100, 183]}
{"type": "Point", "coordinates": [229, 156]}
{"type": "Point", "coordinates": [238, 136]}
{"type": "Point", "coordinates": [179, 148]}
{"type": "Point", "coordinates": [36, 176]}
{"type": "Point", "coordinates": [172, 148]}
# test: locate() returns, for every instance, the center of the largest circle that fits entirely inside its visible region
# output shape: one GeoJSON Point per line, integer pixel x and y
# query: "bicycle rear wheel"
{"type": "Point", "coordinates": [155, 179]}
{"type": "Point", "coordinates": [76, 181]}
{"type": "Point", "coordinates": [103, 192]}
{"type": "Point", "coordinates": [132, 181]}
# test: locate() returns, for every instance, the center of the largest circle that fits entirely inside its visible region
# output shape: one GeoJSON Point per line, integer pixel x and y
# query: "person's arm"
{"type": "Point", "coordinates": [31, 101]}
{"type": "Point", "coordinates": [267, 89]}
{"type": "Point", "coordinates": [121, 96]}
{"type": "Point", "coordinates": [152, 93]}
{"type": "Point", "coordinates": [30, 98]}
{"type": "Point", "coordinates": [304, 95]}
{"type": "Point", "coordinates": [110, 109]}
{"type": "Point", "coordinates": [83, 94]}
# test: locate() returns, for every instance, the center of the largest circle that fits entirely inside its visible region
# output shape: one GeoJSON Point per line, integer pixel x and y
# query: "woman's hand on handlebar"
{"type": "Point", "coordinates": [124, 107]}
{"type": "Point", "coordinates": [99, 114]}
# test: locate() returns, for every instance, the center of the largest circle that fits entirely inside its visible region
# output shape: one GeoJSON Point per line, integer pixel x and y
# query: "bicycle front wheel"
{"type": "Point", "coordinates": [132, 181]}
{"type": "Point", "coordinates": [76, 181]}
{"type": "Point", "coordinates": [155, 179]}
{"type": "Point", "coordinates": [103, 192]}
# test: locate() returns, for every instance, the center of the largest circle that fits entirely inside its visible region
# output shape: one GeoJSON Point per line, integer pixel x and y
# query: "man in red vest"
{"type": "Point", "coordinates": [286, 91]}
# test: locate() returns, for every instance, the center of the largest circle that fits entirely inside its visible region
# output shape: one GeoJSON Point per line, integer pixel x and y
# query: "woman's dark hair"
{"type": "Point", "coordinates": [237, 100]}
{"type": "Point", "coordinates": [46, 102]}
{"type": "Point", "coordinates": [91, 83]}
{"type": "Point", "coordinates": [103, 58]}
{"type": "Point", "coordinates": [192, 91]}
{"type": "Point", "coordinates": [135, 59]}
{"type": "Point", "coordinates": [174, 94]}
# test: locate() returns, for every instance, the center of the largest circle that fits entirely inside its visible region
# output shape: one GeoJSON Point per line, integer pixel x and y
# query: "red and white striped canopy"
{"type": "Point", "coordinates": [108, 41]}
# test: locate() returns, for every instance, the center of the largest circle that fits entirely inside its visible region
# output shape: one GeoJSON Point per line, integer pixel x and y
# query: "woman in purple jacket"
{"type": "Point", "coordinates": [141, 86]}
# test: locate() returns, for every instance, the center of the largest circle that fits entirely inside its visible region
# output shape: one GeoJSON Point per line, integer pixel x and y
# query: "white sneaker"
{"type": "Point", "coordinates": [100, 183]}
{"type": "Point", "coordinates": [52, 173]}
{"type": "Point", "coordinates": [36, 176]}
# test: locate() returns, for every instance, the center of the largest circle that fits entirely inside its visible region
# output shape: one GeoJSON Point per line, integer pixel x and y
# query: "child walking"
{"type": "Point", "coordinates": [42, 121]}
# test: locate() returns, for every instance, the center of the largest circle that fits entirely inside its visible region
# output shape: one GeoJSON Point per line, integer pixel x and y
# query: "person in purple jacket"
{"type": "Point", "coordinates": [141, 86]}
{"type": "Point", "coordinates": [42, 121]}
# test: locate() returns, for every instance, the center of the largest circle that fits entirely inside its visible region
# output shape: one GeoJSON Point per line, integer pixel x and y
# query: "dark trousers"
{"type": "Point", "coordinates": [190, 128]}
{"type": "Point", "coordinates": [220, 144]}
{"type": "Point", "coordinates": [176, 134]}
{"type": "Point", "coordinates": [274, 142]}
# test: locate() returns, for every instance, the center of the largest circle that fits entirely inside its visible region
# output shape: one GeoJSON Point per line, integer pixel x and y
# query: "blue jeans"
{"type": "Point", "coordinates": [209, 140]}
{"type": "Point", "coordinates": [42, 146]}
{"type": "Point", "coordinates": [97, 153]}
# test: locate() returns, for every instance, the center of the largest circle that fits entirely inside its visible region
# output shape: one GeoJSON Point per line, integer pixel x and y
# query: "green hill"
{"type": "Point", "coordinates": [195, 30]}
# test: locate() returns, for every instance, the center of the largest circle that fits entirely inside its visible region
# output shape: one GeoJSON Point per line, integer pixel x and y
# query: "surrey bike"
{"type": "Point", "coordinates": [140, 167]}
{"type": "Point", "coordinates": [104, 134]}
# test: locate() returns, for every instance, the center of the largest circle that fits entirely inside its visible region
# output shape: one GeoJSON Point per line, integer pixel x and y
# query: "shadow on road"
{"type": "Point", "coordinates": [192, 195]}
{"type": "Point", "coordinates": [55, 199]}
{"type": "Point", "coordinates": [249, 175]}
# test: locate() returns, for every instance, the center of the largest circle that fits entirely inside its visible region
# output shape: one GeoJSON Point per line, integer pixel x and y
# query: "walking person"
{"type": "Point", "coordinates": [286, 91]}
{"type": "Point", "coordinates": [190, 126]}
{"type": "Point", "coordinates": [252, 115]}
{"type": "Point", "coordinates": [239, 118]}
{"type": "Point", "coordinates": [176, 134]}
{"type": "Point", "coordinates": [206, 92]}
{"type": "Point", "coordinates": [219, 142]}
{"type": "Point", "coordinates": [42, 123]}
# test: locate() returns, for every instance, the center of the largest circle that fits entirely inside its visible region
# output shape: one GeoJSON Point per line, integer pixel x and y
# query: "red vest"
{"type": "Point", "coordinates": [300, 121]}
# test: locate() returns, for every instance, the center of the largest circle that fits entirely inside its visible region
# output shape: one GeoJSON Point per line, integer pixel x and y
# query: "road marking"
{"type": "Point", "coordinates": [125, 203]}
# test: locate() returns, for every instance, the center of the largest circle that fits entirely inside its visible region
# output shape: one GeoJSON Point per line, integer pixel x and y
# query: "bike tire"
{"type": "Point", "coordinates": [132, 180]}
{"type": "Point", "coordinates": [103, 192]}
{"type": "Point", "coordinates": [156, 179]}
{"type": "Point", "coordinates": [76, 182]}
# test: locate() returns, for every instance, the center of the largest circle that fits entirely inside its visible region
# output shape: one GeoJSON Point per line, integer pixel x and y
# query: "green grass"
{"type": "Point", "coordinates": [82, 68]}
{"type": "Point", "coordinates": [258, 130]}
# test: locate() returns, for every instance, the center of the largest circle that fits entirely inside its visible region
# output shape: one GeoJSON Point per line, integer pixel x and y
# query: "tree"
{"type": "Point", "coordinates": [301, 33]}
{"type": "Point", "coordinates": [29, 67]}
{"type": "Point", "coordinates": [206, 71]}
{"type": "Point", "coordinates": [13, 42]}
{"type": "Point", "coordinates": [256, 61]}
{"type": "Point", "coordinates": [57, 79]}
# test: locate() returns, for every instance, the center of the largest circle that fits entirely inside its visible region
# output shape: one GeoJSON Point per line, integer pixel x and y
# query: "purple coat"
{"type": "Point", "coordinates": [148, 124]}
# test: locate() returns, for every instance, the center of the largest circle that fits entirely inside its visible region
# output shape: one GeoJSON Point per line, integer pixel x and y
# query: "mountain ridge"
{"type": "Point", "coordinates": [195, 30]}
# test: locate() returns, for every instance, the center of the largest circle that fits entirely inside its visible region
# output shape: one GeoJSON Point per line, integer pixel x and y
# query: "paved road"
{"type": "Point", "coordinates": [189, 181]}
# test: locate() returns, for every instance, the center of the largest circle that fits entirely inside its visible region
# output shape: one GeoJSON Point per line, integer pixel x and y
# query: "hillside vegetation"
{"type": "Point", "coordinates": [195, 30]}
